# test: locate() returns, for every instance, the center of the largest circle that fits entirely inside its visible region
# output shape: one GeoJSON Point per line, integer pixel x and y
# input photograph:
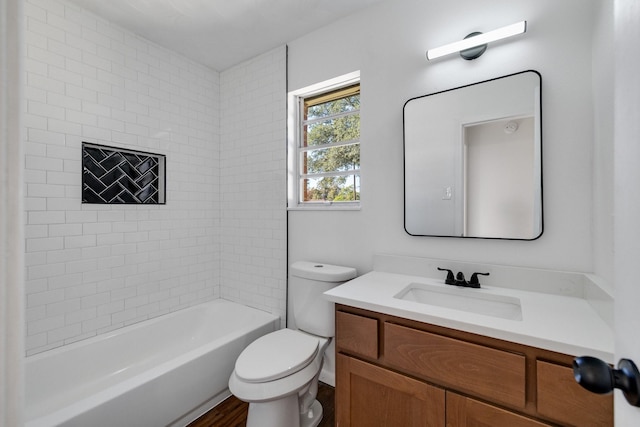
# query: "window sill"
{"type": "Point", "coordinates": [325, 207]}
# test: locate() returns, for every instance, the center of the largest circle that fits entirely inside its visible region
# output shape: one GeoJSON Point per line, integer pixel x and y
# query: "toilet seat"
{"type": "Point", "coordinates": [276, 355]}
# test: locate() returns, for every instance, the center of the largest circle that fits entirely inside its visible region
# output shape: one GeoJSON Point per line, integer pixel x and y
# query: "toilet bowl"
{"type": "Point", "coordinates": [275, 374]}
{"type": "Point", "coordinates": [278, 373]}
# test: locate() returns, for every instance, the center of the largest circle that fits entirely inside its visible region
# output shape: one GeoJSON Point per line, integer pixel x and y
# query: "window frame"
{"type": "Point", "coordinates": [296, 100]}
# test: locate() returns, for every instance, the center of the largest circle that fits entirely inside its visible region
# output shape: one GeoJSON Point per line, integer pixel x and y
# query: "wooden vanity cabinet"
{"type": "Point", "coordinates": [392, 371]}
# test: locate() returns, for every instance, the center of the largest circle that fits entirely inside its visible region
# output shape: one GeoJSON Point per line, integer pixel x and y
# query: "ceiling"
{"type": "Point", "coordinates": [222, 33]}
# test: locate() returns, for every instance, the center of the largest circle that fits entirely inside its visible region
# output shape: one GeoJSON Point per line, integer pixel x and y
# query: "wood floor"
{"type": "Point", "coordinates": [233, 412]}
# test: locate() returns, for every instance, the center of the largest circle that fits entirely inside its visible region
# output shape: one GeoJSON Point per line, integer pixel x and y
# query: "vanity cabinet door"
{"type": "Point", "coordinates": [465, 412]}
{"type": "Point", "coordinates": [560, 398]}
{"type": "Point", "coordinates": [371, 396]}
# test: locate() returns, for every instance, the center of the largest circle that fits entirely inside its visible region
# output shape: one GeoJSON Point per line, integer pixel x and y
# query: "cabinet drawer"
{"type": "Point", "coordinates": [357, 335]}
{"type": "Point", "coordinates": [493, 374]}
{"type": "Point", "coordinates": [562, 399]}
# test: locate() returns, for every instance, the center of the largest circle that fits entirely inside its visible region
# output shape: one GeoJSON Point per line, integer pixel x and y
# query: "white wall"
{"type": "Point", "coordinates": [387, 43]}
{"type": "Point", "coordinates": [93, 268]}
{"type": "Point", "coordinates": [253, 182]}
{"type": "Point", "coordinates": [11, 227]}
{"type": "Point", "coordinates": [603, 131]}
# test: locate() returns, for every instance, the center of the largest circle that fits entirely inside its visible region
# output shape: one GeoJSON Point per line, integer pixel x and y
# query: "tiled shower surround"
{"type": "Point", "coordinates": [222, 232]}
{"type": "Point", "coordinates": [253, 171]}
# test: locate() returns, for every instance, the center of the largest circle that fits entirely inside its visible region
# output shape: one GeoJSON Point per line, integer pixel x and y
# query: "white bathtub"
{"type": "Point", "coordinates": [164, 371]}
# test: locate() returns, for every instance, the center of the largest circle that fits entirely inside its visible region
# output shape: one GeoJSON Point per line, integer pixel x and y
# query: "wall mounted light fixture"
{"type": "Point", "coordinates": [474, 44]}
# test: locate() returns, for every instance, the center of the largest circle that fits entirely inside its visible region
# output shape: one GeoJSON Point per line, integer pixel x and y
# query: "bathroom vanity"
{"type": "Point", "coordinates": [394, 371]}
{"type": "Point", "coordinates": [409, 363]}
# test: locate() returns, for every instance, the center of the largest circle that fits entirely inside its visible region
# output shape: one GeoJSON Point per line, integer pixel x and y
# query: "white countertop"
{"type": "Point", "coordinates": [565, 324]}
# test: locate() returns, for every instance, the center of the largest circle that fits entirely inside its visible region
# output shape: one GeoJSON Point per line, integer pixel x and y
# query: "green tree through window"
{"type": "Point", "coordinates": [330, 152]}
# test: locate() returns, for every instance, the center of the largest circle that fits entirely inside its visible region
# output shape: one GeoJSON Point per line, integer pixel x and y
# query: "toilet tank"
{"type": "Point", "coordinates": [308, 281]}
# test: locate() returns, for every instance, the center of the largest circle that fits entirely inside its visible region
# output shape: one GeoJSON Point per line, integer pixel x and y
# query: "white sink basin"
{"type": "Point", "coordinates": [463, 299]}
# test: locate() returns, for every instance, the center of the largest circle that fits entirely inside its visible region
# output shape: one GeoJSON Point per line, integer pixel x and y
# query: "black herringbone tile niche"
{"type": "Point", "coordinates": [117, 176]}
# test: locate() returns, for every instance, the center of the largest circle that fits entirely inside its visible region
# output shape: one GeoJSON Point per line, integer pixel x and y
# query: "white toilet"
{"type": "Point", "coordinates": [278, 373]}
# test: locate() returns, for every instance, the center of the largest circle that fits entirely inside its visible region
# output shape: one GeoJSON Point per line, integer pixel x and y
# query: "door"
{"type": "Point", "coordinates": [500, 178]}
{"type": "Point", "coordinates": [627, 194]}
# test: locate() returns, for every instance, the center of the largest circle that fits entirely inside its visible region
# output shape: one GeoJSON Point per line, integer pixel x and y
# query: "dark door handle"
{"type": "Point", "coordinates": [598, 377]}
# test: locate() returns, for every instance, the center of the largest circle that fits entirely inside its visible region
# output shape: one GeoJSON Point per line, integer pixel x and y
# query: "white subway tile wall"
{"type": "Point", "coordinates": [253, 182]}
{"type": "Point", "coordinates": [95, 268]}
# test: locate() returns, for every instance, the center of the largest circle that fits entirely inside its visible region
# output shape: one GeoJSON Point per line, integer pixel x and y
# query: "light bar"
{"type": "Point", "coordinates": [478, 40]}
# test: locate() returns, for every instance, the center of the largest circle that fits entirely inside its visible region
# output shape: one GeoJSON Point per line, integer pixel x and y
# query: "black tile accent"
{"type": "Point", "coordinates": [117, 176]}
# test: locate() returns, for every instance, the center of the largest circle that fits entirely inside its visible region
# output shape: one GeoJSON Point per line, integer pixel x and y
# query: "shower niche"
{"type": "Point", "coordinates": [113, 175]}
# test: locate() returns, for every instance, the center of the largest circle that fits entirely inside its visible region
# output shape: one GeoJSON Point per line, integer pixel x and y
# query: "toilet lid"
{"type": "Point", "coordinates": [276, 355]}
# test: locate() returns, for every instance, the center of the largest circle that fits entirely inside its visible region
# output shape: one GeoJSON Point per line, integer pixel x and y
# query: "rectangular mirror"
{"type": "Point", "coordinates": [473, 160]}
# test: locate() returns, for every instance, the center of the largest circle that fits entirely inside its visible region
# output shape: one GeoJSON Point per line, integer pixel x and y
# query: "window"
{"type": "Point", "coordinates": [327, 148]}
